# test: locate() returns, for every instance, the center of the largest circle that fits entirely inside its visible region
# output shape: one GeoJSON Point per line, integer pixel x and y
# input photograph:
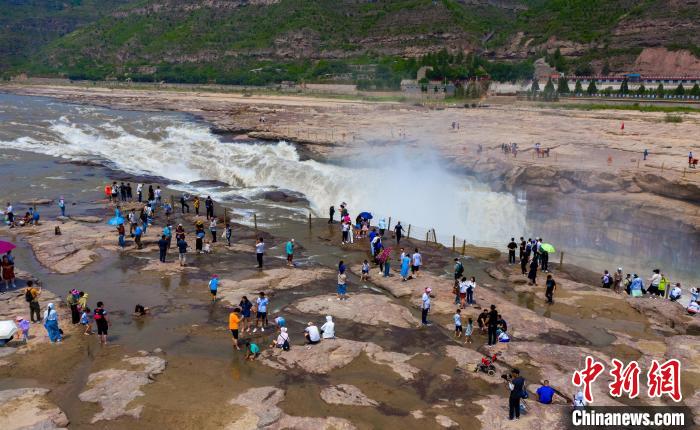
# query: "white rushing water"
{"type": "Point", "coordinates": [413, 187]}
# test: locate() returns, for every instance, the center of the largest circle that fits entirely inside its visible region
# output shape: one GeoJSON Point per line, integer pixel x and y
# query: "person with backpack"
{"type": "Point", "coordinates": [459, 271]}
{"type": "Point", "coordinates": [100, 317]}
{"type": "Point", "coordinates": [282, 340]}
{"type": "Point", "coordinates": [31, 295]}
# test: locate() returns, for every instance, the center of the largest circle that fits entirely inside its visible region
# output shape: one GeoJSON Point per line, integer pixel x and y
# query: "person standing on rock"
{"type": "Point", "coordinates": [100, 317]}
{"type": "Point", "coordinates": [213, 287]}
{"type": "Point", "coordinates": [342, 282]}
{"type": "Point", "coordinates": [261, 304]}
{"type": "Point", "coordinates": [183, 204]}
{"type": "Point", "coordinates": [405, 264]}
{"type": "Point", "coordinates": [151, 194]}
{"type": "Point", "coordinates": [195, 203]}
{"type": "Point", "coordinates": [139, 192]}
{"type": "Point", "coordinates": [137, 236]}
{"type": "Point", "coordinates": [289, 248]}
{"type": "Point", "coordinates": [129, 195]}
{"type": "Point", "coordinates": [72, 302]}
{"type": "Point", "coordinates": [246, 307]}
{"type": "Point", "coordinates": [511, 250]}
{"type": "Point", "coordinates": [551, 287]}
{"type": "Point", "coordinates": [521, 248]}
{"type": "Point", "coordinates": [331, 214]}
{"type": "Point", "coordinates": [532, 274]}
{"type": "Point", "coordinates": [209, 205]}
{"type": "Point", "coordinates": [425, 306]}
{"type": "Point", "coordinates": [51, 324]}
{"type": "Point", "coordinates": [458, 272]}
{"type": "Point", "coordinates": [234, 320]}
{"type": "Point", "coordinates": [458, 323]}
{"type": "Point", "coordinates": [168, 233]}
{"type": "Point", "coordinates": [417, 261]}
{"type": "Point", "coordinates": [8, 273]}
{"type": "Point", "coordinates": [182, 251]}
{"type": "Point", "coordinates": [212, 228]}
{"type": "Point", "coordinates": [617, 280]}
{"type": "Point", "coordinates": [227, 234]}
{"type": "Point", "coordinates": [492, 325]}
{"type": "Point", "coordinates": [163, 248]}
{"type": "Point", "coordinates": [31, 295]}
{"type": "Point", "coordinates": [259, 251]}
{"type": "Point", "coordinates": [471, 286]}
{"type": "Point", "coordinates": [398, 232]}
{"type": "Point", "coordinates": [62, 206]}
{"type": "Point", "coordinates": [517, 387]}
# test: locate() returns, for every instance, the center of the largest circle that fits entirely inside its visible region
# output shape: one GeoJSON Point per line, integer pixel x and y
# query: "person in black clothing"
{"type": "Point", "coordinates": [521, 251]}
{"type": "Point", "coordinates": [122, 191]}
{"type": "Point", "coordinates": [129, 196]}
{"type": "Point", "coordinates": [151, 193]}
{"type": "Point", "coordinates": [523, 264]}
{"type": "Point", "coordinates": [511, 250]}
{"type": "Point", "coordinates": [163, 247]}
{"type": "Point", "coordinates": [551, 286]}
{"type": "Point", "coordinates": [331, 214]}
{"type": "Point", "coordinates": [532, 275]}
{"type": "Point", "coordinates": [517, 386]}
{"type": "Point", "coordinates": [209, 204]}
{"type": "Point", "coordinates": [544, 260]}
{"type": "Point", "coordinates": [398, 231]}
{"type": "Point", "coordinates": [183, 204]}
{"type": "Point", "coordinates": [492, 323]}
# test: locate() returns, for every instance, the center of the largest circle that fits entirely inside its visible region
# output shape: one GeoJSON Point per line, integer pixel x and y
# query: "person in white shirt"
{"type": "Point", "coordinates": [693, 308]}
{"type": "Point", "coordinates": [675, 293]}
{"type": "Point", "coordinates": [328, 329]}
{"type": "Point", "coordinates": [139, 192]}
{"type": "Point", "coordinates": [463, 292]}
{"type": "Point", "coordinates": [417, 261]}
{"type": "Point", "coordinates": [425, 306]}
{"type": "Point", "coordinates": [259, 251]}
{"type": "Point", "coordinates": [654, 282]}
{"type": "Point", "coordinates": [471, 286]}
{"type": "Point", "coordinates": [312, 335]}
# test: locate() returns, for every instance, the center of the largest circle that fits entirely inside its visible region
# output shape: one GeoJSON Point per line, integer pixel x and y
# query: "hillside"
{"type": "Point", "coordinates": [259, 41]}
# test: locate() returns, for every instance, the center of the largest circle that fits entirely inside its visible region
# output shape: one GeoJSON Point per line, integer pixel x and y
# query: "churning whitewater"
{"type": "Point", "coordinates": [408, 185]}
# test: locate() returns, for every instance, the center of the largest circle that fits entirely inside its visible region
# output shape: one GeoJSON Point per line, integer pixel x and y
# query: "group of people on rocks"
{"type": "Point", "coordinates": [658, 287]}
{"type": "Point", "coordinates": [77, 301]}
{"type": "Point", "coordinates": [31, 216]}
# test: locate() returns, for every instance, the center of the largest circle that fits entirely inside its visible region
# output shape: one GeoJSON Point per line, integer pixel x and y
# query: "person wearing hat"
{"type": "Point", "coordinates": [425, 306]}
{"type": "Point", "coordinates": [289, 247]}
{"type": "Point", "coordinates": [213, 286]}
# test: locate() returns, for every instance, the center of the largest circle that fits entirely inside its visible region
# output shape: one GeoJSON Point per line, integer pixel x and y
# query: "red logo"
{"type": "Point", "coordinates": [587, 376]}
{"type": "Point", "coordinates": [665, 379]}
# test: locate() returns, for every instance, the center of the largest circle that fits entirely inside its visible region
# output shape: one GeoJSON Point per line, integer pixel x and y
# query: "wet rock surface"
{"type": "Point", "coordinates": [372, 309]}
{"type": "Point", "coordinates": [345, 394]}
{"type": "Point", "coordinates": [28, 408]}
{"type": "Point", "coordinates": [262, 412]}
{"type": "Point", "coordinates": [115, 389]}
{"type": "Point", "coordinates": [332, 354]}
{"type": "Point", "coordinates": [271, 280]}
{"type": "Point", "coordinates": [283, 196]}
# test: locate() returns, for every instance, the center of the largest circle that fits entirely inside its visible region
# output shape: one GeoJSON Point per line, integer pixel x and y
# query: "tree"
{"type": "Point", "coordinates": [641, 90]}
{"type": "Point", "coordinates": [584, 69]}
{"type": "Point", "coordinates": [624, 88]}
{"type": "Point", "coordinates": [579, 88]}
{"type": "Point", "coordinates": [679, 91]}
{"type": "Point", "coordinates": [535, 85]}
{"type": "Point", "coordinates": [660, 90]}
{"type": "Point", "coordinates": [606, 68]}
{"type": "Point", "coordinates": [549, 90]}
{"type": "Point", "coordinates": [563, 86]}
{"type": "Point", "coordinates": [592, 89]}
{"type": "Point", "coordinates": [695, 91]}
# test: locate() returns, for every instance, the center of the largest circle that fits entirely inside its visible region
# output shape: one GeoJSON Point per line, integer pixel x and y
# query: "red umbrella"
{"type": "Point", "coordinates": [6, 246]}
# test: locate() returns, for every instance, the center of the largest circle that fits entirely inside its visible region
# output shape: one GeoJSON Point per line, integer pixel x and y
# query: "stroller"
{"type": "Point", "coordinates": [487, 365]}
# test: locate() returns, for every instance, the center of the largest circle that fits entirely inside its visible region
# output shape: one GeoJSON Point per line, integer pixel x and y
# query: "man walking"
{"type": "Point", "coordinates": [163, 247]}
{"type": "Point", "coordinates": [425, 306]}
{"type": "Point", "coordinates": [183, 204]}
{"type": "Point", "coordinates": [492, 323]}
{"type": "Point", "coordinates": [31, 294]}
{"type": "Point", "coordinates": [516, 386]}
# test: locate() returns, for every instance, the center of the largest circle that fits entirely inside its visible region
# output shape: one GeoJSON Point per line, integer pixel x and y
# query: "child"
{"type": "Point", "coordinates": [251, 351]}
{"type": "Point", "coordinates": [207, 248]}
{"type": "Point", "coordinates": [85, 321]}
{"type": "Point", "coordinates": [458, 323]}
{"type": "Point", "coordinates": [213, 286]}
{"type": "Point", "coordinates": [468, 331]}
{"type": "Point", "coordinates": [365, 271]}
{"type": "Point", "coordinates": [24, 327]}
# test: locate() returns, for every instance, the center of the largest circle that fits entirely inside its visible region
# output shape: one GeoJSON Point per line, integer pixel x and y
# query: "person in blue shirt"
{"type": "Point", "coordinates": [261, 312]}
{"type": "Point", "coordinates": [246, 306]}
{"type": "Point", "coordinates": [545, 393]}
{"type": "Point", "coordinates": [163, 248]}
{"type": "Point", "coordinates": [213, 286]}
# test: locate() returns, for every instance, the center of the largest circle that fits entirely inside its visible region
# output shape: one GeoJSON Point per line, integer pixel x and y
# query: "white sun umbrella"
{"type": "Point", "coordinates": [8, 328]}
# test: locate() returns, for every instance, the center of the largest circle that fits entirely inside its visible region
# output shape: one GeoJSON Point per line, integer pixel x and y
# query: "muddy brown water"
{"type": "Point", "coordinates": [203, 371]}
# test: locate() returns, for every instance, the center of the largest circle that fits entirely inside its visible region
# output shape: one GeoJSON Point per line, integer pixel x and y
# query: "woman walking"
{"type": "Point", "coordinates": [405, 264]}
{"type": "Point", "coordinates": [51, 324]}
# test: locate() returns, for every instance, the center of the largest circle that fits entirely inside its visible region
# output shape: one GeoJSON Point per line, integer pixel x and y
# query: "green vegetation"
{"type": "Point", "coordinates": [673, 118]}
{"type": "Point", "coordinates": [371, 43]}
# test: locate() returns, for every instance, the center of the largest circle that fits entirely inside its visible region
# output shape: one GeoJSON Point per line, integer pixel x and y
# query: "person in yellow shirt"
{"type": "Point", "coordinates": [234, 319]}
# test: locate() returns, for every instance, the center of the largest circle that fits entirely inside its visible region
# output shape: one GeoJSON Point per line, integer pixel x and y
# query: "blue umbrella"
{"type": "Point", "coordinates": [366, 215]}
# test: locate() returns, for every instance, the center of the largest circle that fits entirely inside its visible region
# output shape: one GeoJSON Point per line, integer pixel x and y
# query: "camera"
{"type": "Point", "coordinates": [506, 376]}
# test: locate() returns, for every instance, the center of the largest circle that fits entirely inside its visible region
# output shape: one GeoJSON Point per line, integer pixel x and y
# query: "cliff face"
{"type": "Point", "coordinates": [628, 214]}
